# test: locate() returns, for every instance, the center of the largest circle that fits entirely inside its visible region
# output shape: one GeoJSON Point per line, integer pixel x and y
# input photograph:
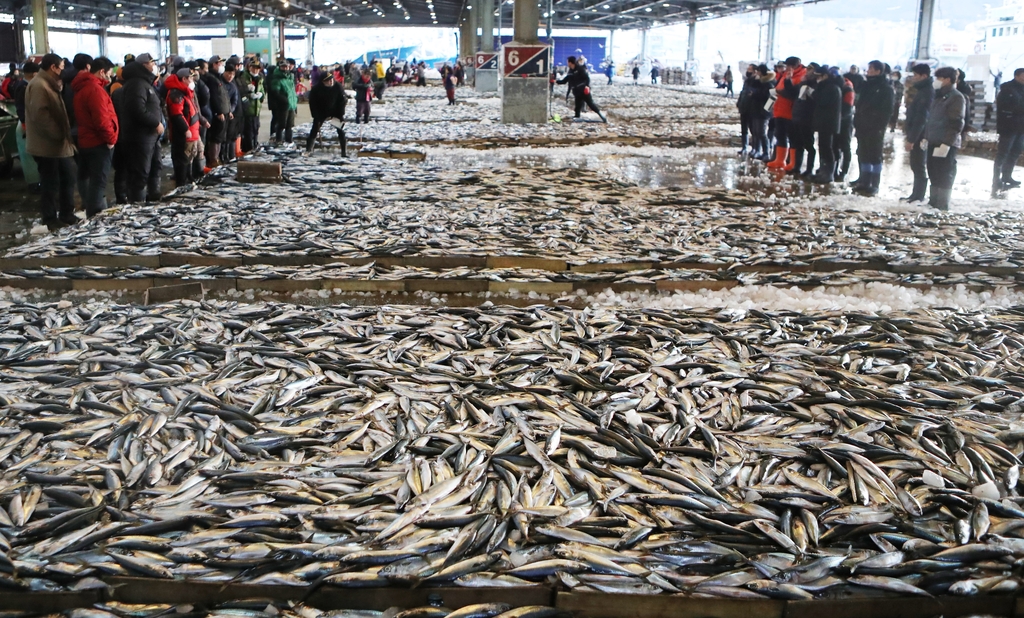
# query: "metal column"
{"type": "Point", "coordinates": [550, 22]}
{"type": "Point", "coordinates": [525, 17]}
{"type": "Point", "coordinates": [103, 36]}
{"type": "Point", "coordinates": [487, 25]}
{"type": "Point", "coordinates": [39, 31]}
{"type": "Point", "coordinates": [465, 38]}
{"type": "Point", "coordinates": [280, 39]}
{"type": "Point", "coordinates": [610, 53]}
{"type": "Point", "coordinates": [241, 20]}
{"type": "Point", "coordinates": [309, 46]}
{"type": "Point", "coordinates": [172, 25]}
{"type": "Point", "coordinates": [773, 33]}
{"type": "Point", "coordinates": [691, 42]}
{"type": "Point", "coordinates": [473, 42]}
{"type": "Point", "coordinates": [925, 21]}
{"type": "Point", "coordinates": [643, 47]}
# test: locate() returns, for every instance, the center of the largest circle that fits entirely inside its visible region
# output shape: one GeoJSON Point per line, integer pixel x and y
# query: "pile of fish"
{"type": "Point", "coordinates": [706, 453]}
{"type": "Point", "coordinates": [264, 608]}
{"type": "Point", "coordinates": [360, 208]}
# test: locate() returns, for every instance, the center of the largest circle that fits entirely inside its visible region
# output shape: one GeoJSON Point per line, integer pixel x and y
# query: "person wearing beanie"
{"type": "Point", "coordinates": [787, 91]}
{"type": "Point", "coordinates": [874, 108]}
{"type": "Point", "coordinates": [250, 88]}
{"type": "Point", "coordinates": [283, 101]}
{"type": "Point", "coordinates": [327, 100]}
{"type": "Point", "coordinates": [1010, 127]}
{"type": "Point", "coordinates": [803, 125]}
{"type": "Point", "coordinates": [919, 94]}
{"type": "Point", "coordinates": [184, 120]}
{"type": "Point", "coordinates": [942, 136]}
{"type": "Point", "coordinates": [828, 115]}
{"type": "Point", "coordinates": [761, 102]}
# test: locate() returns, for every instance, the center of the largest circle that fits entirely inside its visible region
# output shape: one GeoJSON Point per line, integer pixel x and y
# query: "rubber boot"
{"type": "Point", "coordinates": [810, 165]}
{"type": "Point", "coordinates": [796, 161]}
{"type": "Point", "coordinates": [920, 188]}
{"type": "Point", "coordinates": [780, 158]}
{"type": "Point", "coordinates": [940, 198]}
{"type": "Point", "coordinates": [863, 178]}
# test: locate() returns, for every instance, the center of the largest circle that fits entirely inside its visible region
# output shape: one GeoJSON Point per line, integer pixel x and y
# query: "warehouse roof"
{"type": "Point", "coordinates": [603, 14]}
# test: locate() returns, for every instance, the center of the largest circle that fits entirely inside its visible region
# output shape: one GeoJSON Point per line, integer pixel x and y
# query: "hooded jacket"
{"type": "Point", "coordinates": [47, 130]}
{"type": "Point", "coordinates": [874, 105]}
{"type": "Point", "coordinates": [281, 95]}
{"type": "Point", "coordinates": [1010, 108]}
{"type": "Point", "coordinates": [182, 110]}
{"type": "Point", "coordinates": [919, 98]}
{"type": "Point", "coordinates": [140, 105]}
{"type": "Point", "coordinates": [94, 111]}
{"type": "Point", "coordinates": [327, 101]}
{"type": "Point", "coordinates": [788, 90]}
{"type": "Point", "coordinates": [946, 118]}
{"type": "Point", "coordinates": [828, 106]}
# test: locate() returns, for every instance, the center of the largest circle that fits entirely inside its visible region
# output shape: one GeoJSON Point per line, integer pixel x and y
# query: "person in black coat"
{"type": "Point", "coordinates": [828, 117]}
{"type": "Point", "coordinates": [140, 117]}
{"type": "Point", "coordinates": [219, 109]}
{"type": "Point", "coordinates": [874, 109]}
{"type": "Point", "coordinates": [803, 124]}
{"type": "Point", "coordinates": [1010, 126]}
{"type": "Point", "coordinates": [326, 100]}
{"type": "Point", "coordinates": [233, 119]}
{"type": "Point", "coordinates": [744, 105]}
{"type": "Point", "coordinates": [760, 112]}
{"type": "Point", "coordinates": [578, 81]}
{"type": "Point", "coordinates": [203, 99]}
{"type": "Point", "coordinates": [919, 94]}
{"type": "Point", "coordinates": [843, 146]}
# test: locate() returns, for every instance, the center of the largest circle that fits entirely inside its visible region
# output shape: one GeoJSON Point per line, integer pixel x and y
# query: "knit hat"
{"type": "Point", "coordinates": [762, 69]}
{"type": "Point", "coordinates": [184, 74]}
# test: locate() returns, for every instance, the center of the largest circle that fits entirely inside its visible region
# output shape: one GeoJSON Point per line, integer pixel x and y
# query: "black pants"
{"type": "Point", "coordinates": [744, 128]}
{"type": "Point", "coordinates": [919, 165]}
{"type": "Point", "coordinates": [941, 172]}
{"type": "Point", "coordinates": [842, 146]}
{"type": "Point", "coordinates": [362, 111]}
{"type": "Point", "coordinates": [121, 173]}
{"type": "Point", "coordinates": [95, 164]}
{"type": "Point", "coordinates": [1011, 145]}
{"type": "Point", "coordinates": [783, 128]}
{"type": "Point", "coordinates": [588, 101]}
{"type": "Point", "coordinates": [250, 133]}
{"type": "Point", "coordinates": [143, 162]}
{"type": "Point", "coordinates": [869, 146]}
{"type": "Point", "coordinates": [81, 173]}
{"type": "Point", "coordinates": [57, 179]}
{"type": "Point", "coordinates": [728, 89]}
{"type": "Point", "coordinates": [315, 131]}
{"type": "Point", "coordinates": [758, 133]}
{"type": "Point", "coordinates": [806, 130]}
{"type": "Point", "coordinates": [826, 154]}
{"type": "Point", "coordinates": [285, 122]}
{"type": "Point", "coordinates": [275, 117]}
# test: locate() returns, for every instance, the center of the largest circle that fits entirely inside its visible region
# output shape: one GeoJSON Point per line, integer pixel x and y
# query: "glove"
{"type": "Point", "coordinates": [258, 96]}
{"type": "Point", "coordinates": [252, 87]}
{"type": "Point", "coordinates": [924, 144]}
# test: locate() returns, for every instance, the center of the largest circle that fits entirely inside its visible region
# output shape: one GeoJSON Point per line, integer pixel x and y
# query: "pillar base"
{"type": "Point", "coordinates": [486, 80]}
{"type": "Point", "coordinates": [470, 75]}
{"type": "Point", "coordinates": [525, 100]}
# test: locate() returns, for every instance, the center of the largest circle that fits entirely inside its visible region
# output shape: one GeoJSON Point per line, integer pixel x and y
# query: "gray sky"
{"type": "Point", "coordinates": [959, 12]}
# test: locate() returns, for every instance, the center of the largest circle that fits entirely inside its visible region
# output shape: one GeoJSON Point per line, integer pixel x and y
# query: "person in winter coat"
{"type": "Point", "coordinates": [803, 125]}
{"type": "Point", "coordinates": [48, 140]}
{"type": "Point", "coordinates": [233, 119]}
{"type": "Point", "coordinates": [327, 100]}
{"type": "Point", "coordinates": [897, 89]}
{"type": "Point", "coordinates": [250, 86]}
{"type": "Point", "coordinates": [202, 92]}
{"type": "Point", "coordinates": [282, 100]}
{"type": "Point", "coordinates": [364, 93]}
{"type": "Point", "coordinates": [728, 79]}
{"type": "Point", "coordinates": [1010, 126]}
{"type": "Point", "coordinates": [760, 111]}
{"type": "Point", "coordinates": [874, 108]}
{"type": "Point", "coordinates": [636, 75]}
{"type": "Point", "coordinates": [655, 73]}
{"type": "Point", "coordinates": [80, 64]}
{"type": "Point", "coordinates": [919, 94]}
{"type": "Point", "coordinates": [183, 119]}
{"type": "Point", "coordinates": [855, 77]}
{"type": "Point", "coordinates": [219, 109]}
{"type": "Point", "coordinates": [843, 145]}
{"type": "Point", "coordinates": [449, 89]}
{"type": "Point", "coordinates": [744, 106]}
{"type": "Point", "coordinates": [29, 170]}
{"type": "Point", "coordinates": [141, 124]}
{"type": "Point", "coordinates": [97, 132]}
{"type": "Point", "coordinates": [942, 136]}
{"type": "Point", "coordinates": [786, 139]}
{"type": "Point", "coordinates": [968, 91]}
{"type": "Point", "coordinates": [609, 72]}
{"type": "Point", "coordinates": [827, 120]}
{"type": "Point", "coordinates": [578, 81]}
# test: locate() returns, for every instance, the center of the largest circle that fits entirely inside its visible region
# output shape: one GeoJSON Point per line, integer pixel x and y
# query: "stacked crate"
{"type": "Point", "coordinates": [979, 108]}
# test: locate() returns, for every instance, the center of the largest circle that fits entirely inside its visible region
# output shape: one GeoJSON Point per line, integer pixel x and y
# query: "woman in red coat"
{"type": "Point", "coordinates": [788, 90]}
{"type": "Point", "coordinates": [97, 131]}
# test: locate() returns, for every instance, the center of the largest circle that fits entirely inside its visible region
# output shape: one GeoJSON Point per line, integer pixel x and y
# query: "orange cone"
{"type": "Point", "coordinates": [780, 158]}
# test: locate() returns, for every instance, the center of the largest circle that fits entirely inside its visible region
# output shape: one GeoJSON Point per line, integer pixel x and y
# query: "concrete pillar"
{"type": "Point", "coordinates": [473, 43]}
{"type": "Point", "coordinates": [773, 34]}
{"type": "Point", "coordinates": [39, 30]}
{"type": "Point", "coordinates": [525, 18]}
{"type": "Point", "coordinates": [643, 47]}
{"type": "Point", "coordinates": [691, 41]}
{"type": "Point", "coordinates": [309, 46]}
{"type": "Point", "coordinates": [103, 36]}
{"type": "Point", "coordinates": [487, 25]}
{"type": "Point", "coordinates": [925, 21]}
{"type": "Point", "coordinates": [280, 39]}
{"type": "Point", "coordinates": [172, 25]}
{"type": "Point", "coordinates": [611, 45]}
{"type": "Point", "coordinates": [549, 23]}
{"type": "Point", "coordinates": [19, 40]}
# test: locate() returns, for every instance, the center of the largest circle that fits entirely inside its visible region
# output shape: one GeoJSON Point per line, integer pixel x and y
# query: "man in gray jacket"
{"type": "Point", "coordinates": [942, 136]}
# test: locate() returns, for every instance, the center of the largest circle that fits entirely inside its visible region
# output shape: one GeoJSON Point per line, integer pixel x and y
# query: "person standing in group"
{"type": "Point", "coordinates": [421, 74]}
{"type": "Point", "coordinates": [897, 99]}
{"type": "Point", "coordinates": [250, 85]}
{"type": "Point", "coordinates": [219, 108]}
{"type": "Point", "coordinates": [327, 100]}
{"type": "Point", "coordinates": [636, 75]}
{"type": "Point", "coordinates": [827, 121]}
{"type": "Point", "coordinates": [1010, 126]}
{"type": "Point", "coordinates": [855, 77]}
{"type": "Point", "coordinates": [97, 132]}
{"type": "Point", "coordinates": [282, 100]}
{"type": "Point", "coordinates": [919, 94]}
{"type": "Point", "coordinates": [378, 81]}
{"type": "Point", "coordinates": [968, 91]}
{"type": "Point", "coordinates": [578, 81]}
{"type": "Point", "coordinates": [803, 125]}
{"type": "Point", "coordinates": [786, 139]}
{"type": "Point", "coordinates": [29, 170]}
{"type": "Point", "coordinates": [942, 136]}
{"type": "Point", "coordinates": [183, 117]}
{"type": "Point", "coordinates": [48, 139]}
{"type": "Point", "coordinates": [843, 146]}
{"type": "Point", "coordinates": [874, 108]}
{"type": "Point", "coordinates": [141, 123]}
{"type": "Point", "coordinates": [655, 73]}
{"type": "Point", "coordinates": [728, 82]}
{"type": "Point", "coordinates": [760, 105]}
{"type": "Point", "coordinates": [744, 106]}
{"type": "Point", "coordinates": [449, 90]}
{"type": "Point", "coordinates": [364, 94]}
{"type": "Point", "coordinates": [232, 118]}
{"type": "Point", "coordinates": [80, 64]}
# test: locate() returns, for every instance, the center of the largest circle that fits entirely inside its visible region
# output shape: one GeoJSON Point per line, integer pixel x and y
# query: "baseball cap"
{"type": "Point", "coordinates": [215, 59]}
{"type": "Point", "coordinates": [144, 58]}
{"type": "Point", "coordinates": [183, 73]}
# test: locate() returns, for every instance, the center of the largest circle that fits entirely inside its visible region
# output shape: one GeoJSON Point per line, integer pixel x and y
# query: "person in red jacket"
{"type": "Point", "coordinates": [183, 117]}
{"type": "Point", "coordinates": [97, 132]}
{"type": "Point", "coordinates": [786, 138]}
